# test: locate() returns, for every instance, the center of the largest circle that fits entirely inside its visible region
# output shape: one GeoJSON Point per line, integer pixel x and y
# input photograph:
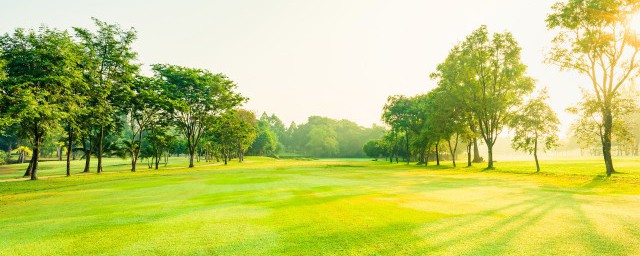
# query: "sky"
{"type": "Point", "coordinates": [334, 58]}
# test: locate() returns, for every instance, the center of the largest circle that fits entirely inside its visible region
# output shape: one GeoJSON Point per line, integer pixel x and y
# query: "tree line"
{"type": "Point", "coordinates": [85, 85]}
{"type": "Point", "coordinates": [482, 83]}
{"type": "Point", "coordinates": [318, 137]}
{"type": "Point", "coordinates": [480, 90]}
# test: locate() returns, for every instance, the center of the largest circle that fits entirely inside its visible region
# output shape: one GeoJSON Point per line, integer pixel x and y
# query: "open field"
{"type": "Point", "coordinates": [331, 206]}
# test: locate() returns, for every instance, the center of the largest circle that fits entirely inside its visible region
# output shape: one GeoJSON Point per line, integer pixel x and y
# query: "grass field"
{"type": "Point", "coordinates": [332, 206]}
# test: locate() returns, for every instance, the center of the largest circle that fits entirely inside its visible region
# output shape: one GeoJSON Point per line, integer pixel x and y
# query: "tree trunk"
{"type": "Point", "coordinates": [224, 155]}
{"type": "Point", "coordinates": [59, 152]}
{"type": "Point", "coordinates": [191, 155]}
{"type": "Point", "coordinates": [476, 152]}
{"type": "Point", "coordinates": [606, 140]}
{"type": "Point", "coordinates": [27, 173]}
{"type": "Point", "coordinates": [100, 144]}
{"type": "Point", "coordinates": [69, 151]}
{"type": "Point", "coordinates": [490, 156]}
{"type": "Point", "coordinates": [87, 157]}
{"type": "Point", "coordinates": [157, 158]}
{"type": "Point", "coordinates": [36, 154]}
{"type": "Point", "coordinates": [469, 145]}
{"type": "Point", "coordinates": [133, 163]}
{"type": "Point", "coordinates": [535, 154]}
{"type": "Point", "coordinates": [426, 155]}
{"type": "Point", "coordinates": [166, 159]}
{"type": "Point", "coordinates": [406, 136]}
{"type": "Point", "coordinates": [34, 166]}
{"type": "Point", "coordinates": [453, 150]}
{"type": "Point", "coordinates": [437, 154]}
{"type": "Point", "coordinates": [395, 147]}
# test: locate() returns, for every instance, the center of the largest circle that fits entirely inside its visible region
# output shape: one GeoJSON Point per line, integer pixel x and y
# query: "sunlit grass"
{"type": "Point", "coordinates": [329, 206]}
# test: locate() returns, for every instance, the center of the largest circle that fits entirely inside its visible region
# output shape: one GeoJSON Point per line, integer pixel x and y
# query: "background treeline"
{"type": "Point", "coordinates": [318, 137]}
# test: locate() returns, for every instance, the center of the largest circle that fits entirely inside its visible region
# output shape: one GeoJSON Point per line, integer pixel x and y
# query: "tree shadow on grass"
{"type": "Point", "coordinates": [504, 231]}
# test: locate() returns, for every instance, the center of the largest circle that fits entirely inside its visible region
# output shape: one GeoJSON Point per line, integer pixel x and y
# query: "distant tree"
{"type": "Point", "coordinates": [596, 39]}
{"type": "Point", "coordinates": [196, 96]}
{"type": "Point", "coordinates": [277, 128]}
{"type": "Point", "coordinates": [233, 133]}
{"type": "Point", "coordinates": [41, 67]}
{"type": "Point", "coordinates": [535, 124]}
{"type": "Point", "coordinates": [323, 141]}
{"type": "Point", "coordinates": [374, 148]}
{"type": "Point", "coordinates": [396, 113]}
{"type": "Point", "coordinates": [266, 142]}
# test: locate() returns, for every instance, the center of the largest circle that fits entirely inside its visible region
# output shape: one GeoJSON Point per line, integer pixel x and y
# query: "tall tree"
{"type": "Point", "coordinates": [145, 109]}
{"type": "Point", "coordinates": [195, 96]}
{"type": "Point", "coordinates": [535, 124]}
{"type": "Point", "coordinates": [109, 72]}
{"type": "Point", "coordinates": [595, 38]}
{"type": "Point", "coordinates": [41, 67]}
{"type": "Point", "coordinates": [495, 81]}
{"type": "Point", "coordinates": [396, 113]}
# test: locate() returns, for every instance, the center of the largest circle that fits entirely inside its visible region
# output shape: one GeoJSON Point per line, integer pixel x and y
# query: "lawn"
{"type": "Point", "coordinates": [334, 206]}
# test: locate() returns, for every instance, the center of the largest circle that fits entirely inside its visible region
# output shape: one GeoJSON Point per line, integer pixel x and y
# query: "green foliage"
{"type": "Point", "coordinates": [232, 133]}
{"type": "Point", "coordinates": [341, 138]}
{"type": "Point", "coordinates": [41, 69]}
{"type": "Point", "coordinates": [589, 127]}
{"type": "Point", "coordinates": [195, 98]}
{"type": "Point", "coordinates": [535, 124]}
{"type": "Point", "coordinates": [375, 148]}
{"type": "Point", "coordinates": [4, 157]}
{"type": "Point", "coordinates": [265, 143]}
{"type": "Point", "coordinates": [596, 39]}
{"type": "Point", "coordinates": [323, 142]}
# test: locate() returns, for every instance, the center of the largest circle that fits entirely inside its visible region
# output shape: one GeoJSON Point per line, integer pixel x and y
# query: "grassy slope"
{"type": "Point", "coordinates": [267, 206]}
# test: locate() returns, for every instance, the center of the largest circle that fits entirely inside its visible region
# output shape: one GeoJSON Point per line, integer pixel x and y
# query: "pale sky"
{"type": "Point", "coordinates": [332, 58]}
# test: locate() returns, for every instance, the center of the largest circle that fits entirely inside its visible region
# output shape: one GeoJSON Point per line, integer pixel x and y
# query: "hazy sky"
{"type": "Point", "coordinates": [333, 58]}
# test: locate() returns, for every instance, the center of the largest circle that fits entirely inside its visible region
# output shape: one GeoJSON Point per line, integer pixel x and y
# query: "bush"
{"type": "Point", "coordinates": [4, 157]}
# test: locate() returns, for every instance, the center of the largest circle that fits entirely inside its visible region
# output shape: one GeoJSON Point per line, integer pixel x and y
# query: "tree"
{"type": "Point", "coordinates": [75, 107]}
{"type": "Point", "coordinates": [589, 128]}
{"type": "Point", "coordinates": [195, 97]}
{"type": "Point", "coordinates": [454, 75]}
{"type": "Point", "coordinates": [246, 131]}
{"type": "Point", "coordinates": [145, 109]}
{"type": "Point", "coordinates": [535, 124]}
{"type": "Point", "coordinates": [266, 142]}
{"type": "Point", "coordinates": [159, 138]}
{"type": "Point", "coordinates": [109, 72]}
{"type": "Point", "coordinates": [594, 38]}
{"type": "Point", "coordinates": [233, 133]}
{"type": "Point", "coordinates": [374, 148]}
{"type": "Point", "coordinates": [396, 114]}
{"type": "Point", "coordinates": [41, 67]}
{"type": "Point", "coordinates": [495, 81]}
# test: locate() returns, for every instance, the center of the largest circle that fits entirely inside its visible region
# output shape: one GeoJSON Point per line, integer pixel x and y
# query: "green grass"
{"type": "Point", "coordinates": [330, 206]}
